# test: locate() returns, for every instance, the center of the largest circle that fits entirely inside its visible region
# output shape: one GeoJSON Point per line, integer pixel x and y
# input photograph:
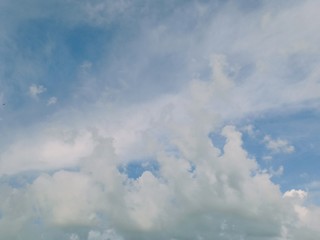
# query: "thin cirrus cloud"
{"type": "Point", "coordinates": [147, 83]}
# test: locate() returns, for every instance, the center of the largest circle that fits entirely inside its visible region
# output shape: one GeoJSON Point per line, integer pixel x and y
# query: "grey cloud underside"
{"type": "Point", "coordinates": [150, 80]}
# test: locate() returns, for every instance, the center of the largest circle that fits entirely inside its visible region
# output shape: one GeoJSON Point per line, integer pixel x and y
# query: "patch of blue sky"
{"type": "Point", "coordinates": [89, 43]}
{"type": "Point", "coordinates": [134, 169]}
{"type": "Point", "coordinates": [20, 180]}
{"type": "Point", "coordinates": [58, 51]}
{"type": "Point", "coordinates": [193, 167]}
{"type": "Point", "coordinates": [301, 129]}
{"type": "Point", "coordinates": [217, 140]}
{"type": "Point", "coordinates": [172, 151]}
{"type": "Point", "coordinates": [46, 53]}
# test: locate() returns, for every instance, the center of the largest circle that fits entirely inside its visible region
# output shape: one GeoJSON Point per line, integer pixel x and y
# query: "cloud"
{"type": "Point", "coordinates": [298, 195]}
{"type": "Point", "coordinates": [35, 90]}
{"type": "Point", "coordinates": [221, 196]}
{"type": "Point", "coordinates": [308, 216]}
{"type": "Point", "coordinates": [50, 150]}
{"type": "Point", "coordinates": [52, 101]}
{"type": "Point", "coordinates": [67, 205]}
{"type": "Point", "coordinates": [157, 95]}
{"type": "Point", "coordinates": [278, 145]}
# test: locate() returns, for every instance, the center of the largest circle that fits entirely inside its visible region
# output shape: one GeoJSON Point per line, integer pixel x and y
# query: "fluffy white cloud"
{"type": "Point", "coordinates": [66, 198]}
{"type": "Point", "coordinates": [197, 193]}
{"type": "Point", "coordinates": [78, 190]}
{"type": "Point", "coordinates": [296, 194]}
{"type": "Point", "coordinates": [278, 145]}
{"type": "Point", "coordinates": [222, 196]}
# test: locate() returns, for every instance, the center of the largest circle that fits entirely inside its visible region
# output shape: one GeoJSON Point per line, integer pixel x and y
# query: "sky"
{"type": "Point", "coordinates": [163, 120]}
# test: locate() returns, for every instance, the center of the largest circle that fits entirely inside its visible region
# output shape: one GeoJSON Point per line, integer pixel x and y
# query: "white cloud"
{"type": "Point", "coordinates": [49, 150]}
{"type": "Point", "coordinates": [197, 193]}
{"type": "Point", "coordinates": [278, 145]}
{"type": "Point", "coordinates": [225, 197]}
{"type": "Point", "coordinates": [35, 90]}
{"type": "Point", "coordinates": [308, 216]}
{"type": "Point", "coordinates": [66, 198]}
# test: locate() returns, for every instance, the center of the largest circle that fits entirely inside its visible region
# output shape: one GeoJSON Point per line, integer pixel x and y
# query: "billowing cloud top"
{"type": "Point", "coordinates": [153, 120]}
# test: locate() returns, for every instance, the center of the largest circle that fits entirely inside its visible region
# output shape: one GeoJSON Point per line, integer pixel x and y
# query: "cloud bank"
{"type": "Point", "coordinates": [150, 98]}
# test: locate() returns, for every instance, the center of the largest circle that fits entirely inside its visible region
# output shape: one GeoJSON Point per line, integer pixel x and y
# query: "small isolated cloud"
{"type": "Point", "coordinates": [35, 90]}
{"type": "Point", "coordinates": [278, 145]}
{"type": "Point", "coordinates": [52, 101]}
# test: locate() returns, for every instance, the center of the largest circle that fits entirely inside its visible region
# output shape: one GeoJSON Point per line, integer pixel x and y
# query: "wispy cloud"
{"type": "Point", "coordinates": [36, 90]}
{"type": "Point", "coordinates": [52, 101]}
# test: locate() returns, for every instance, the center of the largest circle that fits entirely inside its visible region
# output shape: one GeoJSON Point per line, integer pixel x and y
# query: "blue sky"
{"type": "Point", "coordinates": [159, 119]}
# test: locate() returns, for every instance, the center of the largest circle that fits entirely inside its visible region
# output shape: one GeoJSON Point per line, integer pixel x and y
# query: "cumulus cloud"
{"type": "Point", "coordinates": [196, 193]}
{"type": "Point", "coordinates": [278, 145]}
{"type": "Point", "coordinates": [77, 190]}
{"type": "Point", "coordinates": [296, 194]}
